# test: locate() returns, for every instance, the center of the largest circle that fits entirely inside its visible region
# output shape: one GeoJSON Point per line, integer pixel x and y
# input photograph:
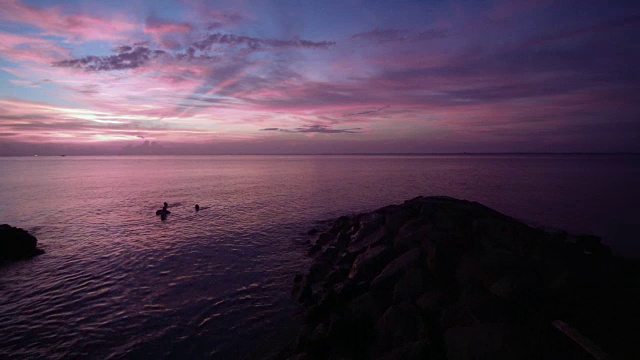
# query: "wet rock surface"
{"type": "Point", "coordinates": [438, 278]}
{"type": "Point", "coordinates": [17, 244]}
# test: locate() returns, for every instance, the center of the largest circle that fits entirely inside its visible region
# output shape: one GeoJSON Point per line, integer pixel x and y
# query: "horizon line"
{"type": "Point", "coordinates": [346, 154]}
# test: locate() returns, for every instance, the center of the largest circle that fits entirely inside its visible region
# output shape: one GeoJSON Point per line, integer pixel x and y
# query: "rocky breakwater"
{"type": "Point", "coordinates": [17, 244]}
{"type": "Point", "coordinates": [437, 277]}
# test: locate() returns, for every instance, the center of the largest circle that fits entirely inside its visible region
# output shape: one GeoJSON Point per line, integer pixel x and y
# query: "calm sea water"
{"type": "Point", "coordinates": [116, 281]}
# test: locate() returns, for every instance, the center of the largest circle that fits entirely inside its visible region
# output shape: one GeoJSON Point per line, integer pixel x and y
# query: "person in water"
{"type": "Point", "coordinates": [163, 212]}
{"type": "Point", "coordinates": [197, 207]}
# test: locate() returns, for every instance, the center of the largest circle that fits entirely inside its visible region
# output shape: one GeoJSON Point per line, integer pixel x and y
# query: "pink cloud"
{"type": "Point", "coordinates": [75, 26]}
{"type": "Point", "coordinates": [214, 16]}
{"type": "Point", "coordinates": [19, 48]}
{"type": "Point", "coordinates": [30, 121]}
{"type": "Point", "coordinates": [159, 26]}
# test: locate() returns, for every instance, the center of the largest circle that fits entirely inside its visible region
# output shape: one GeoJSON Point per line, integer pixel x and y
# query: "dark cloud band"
{"type": "Point", "coordinates": [316, 129]}
{"type": "Point", "coordinates": [257, 43]}
{"type": "Point", "coordinates": [139, 54]}
{"type": "Point", "coordinates": [127, 58]}
{"type": "Point", "coordinates": [381, 36]}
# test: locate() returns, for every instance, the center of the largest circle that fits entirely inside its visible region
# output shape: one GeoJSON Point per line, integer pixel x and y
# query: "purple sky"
{"type": "Point", "coordinates": [227, 77]}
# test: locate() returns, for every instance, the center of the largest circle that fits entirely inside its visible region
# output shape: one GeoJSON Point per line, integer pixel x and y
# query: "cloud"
{"type": "Point", "coordinates": [158, 26]}
{"type": "Point", "coordinates": [324, 129]}
{"type": "Point", "coordinates": [213, 16]}
{"type": "Point", "coordinates": [23, 48]}
{"type": "Point", "coordinates": [75, 26]}
{"type": "Point", "coordinates": [606, 26]}
{"type": "Point", "coordinates": [368, 111]}
{"type": "Point", "coordinates": [382, 36]}
{"type": "Point", "coordinates": [131, 59]}
{"type": "Point", "coordinates": [257, 43]}
{"type": "Point", "coordinates": [146, 148]}
{"type": "Point", "coordinates": [189, 77]}
{"type": "Point", "coordinates": [137, 55]}
{"type": "Point", "coordinates": [123, 49]}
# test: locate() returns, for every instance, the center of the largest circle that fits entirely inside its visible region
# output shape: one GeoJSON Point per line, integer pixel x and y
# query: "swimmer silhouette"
{"type": "Point", "coordinates": [163, 212]}
{"type": "Point", "coordinates": [197, 207]}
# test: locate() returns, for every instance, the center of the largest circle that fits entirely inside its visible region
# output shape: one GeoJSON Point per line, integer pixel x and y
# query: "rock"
{"type": "Point", "coordinates": [369, 263]}
{"type": "Point", "coordinates": [314, 250]}
{"type": "Point", "coordinates": [298, 357]}
{"type": "Point", "coordinates": [301, 290]}
{"type": "Point", "coordinates": [346, 260]}
{"type": "Point", "coordinates": [318, 271]}
{"type": "Point", "coordinates": [397, 219]}
{"type": "Point", "coordinates": [347, 289]}
{"type": "Point", "coordinates": [482, 341]}
{"type": "Point", "coordinates": [336, 276]}
{"type": "Point", "coordinates": [409, 286]}
{"type": "Point", "coordinates": [397, 326]}
{"type": "Point", "coordinates": [469, 272]}
{"type": "Point", "coordinates": [350, 337]}
{"type": "Point", "coordinates": [317, 340]}
{"type": "Point", "coordinates": [325, 238]}
{"type": "Point", "coordinates": [431, 253]}
{"type": "Point", "coordinates": [430, 303]}
{"type": "Point", "coordinates": [16, 243]}
{"type": "Point", "coordinates": [364, 306]}
{"type": "Point", "coordinates": [312, 231]}
{"type": "Point", "coordinates": [410, 351]}
{"type": "Point", "coordinates": [501, 288]}
{"type": "Point", "coordinates": [591, 245]}
{"type": "Point", "coordinates": [329, 255]}
{"type": "Point", "coordinates": [409, 235]}
{"type": "Point", "coordinates": [441, 278]}
{"type": "Point", "coordinates": [343, 239]}
{"type": "Point", "coordinates": [341, 223]}
{"type": "Point", "coordinates": [371, 239]}
{"type": "Point", "coordinates": [395, 268]}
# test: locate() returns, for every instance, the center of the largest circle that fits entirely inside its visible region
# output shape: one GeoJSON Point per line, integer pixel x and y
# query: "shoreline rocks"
{"type": "Point", "coordinates": [437, 277]}
{"type": "Point", "coordinates": [17, 244]}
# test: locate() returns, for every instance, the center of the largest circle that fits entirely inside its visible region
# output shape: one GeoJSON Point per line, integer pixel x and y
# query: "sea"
{"type": "Point", "coordinates": [117, 281]}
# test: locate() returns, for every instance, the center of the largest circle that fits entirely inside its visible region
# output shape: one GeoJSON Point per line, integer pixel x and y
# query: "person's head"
{"type": "Point", "coordinates": [197, 207]}
{"type": "Point", "coordinates": [166, 205]}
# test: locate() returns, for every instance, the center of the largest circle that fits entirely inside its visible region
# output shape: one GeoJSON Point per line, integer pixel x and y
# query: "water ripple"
{"type": "Point", "coordinates": [118, 282]}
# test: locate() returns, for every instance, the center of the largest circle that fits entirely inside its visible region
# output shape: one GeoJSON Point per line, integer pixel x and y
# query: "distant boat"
{"type": "Point", "coordinates": [63, 155]}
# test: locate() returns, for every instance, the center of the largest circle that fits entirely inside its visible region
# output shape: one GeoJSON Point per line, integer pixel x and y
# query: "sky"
{"type": "Point", "coordinates": [304, 77]}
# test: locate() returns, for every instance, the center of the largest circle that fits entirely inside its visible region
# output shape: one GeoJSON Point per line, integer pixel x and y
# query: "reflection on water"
{"type": "Point", "coordinates": [117, 281]}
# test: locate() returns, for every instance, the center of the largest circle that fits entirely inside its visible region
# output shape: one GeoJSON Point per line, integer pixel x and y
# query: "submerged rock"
{"type": "Point", "coordinates": [16, 243]}
{"type": "Point", "coordinates": [437, 277]}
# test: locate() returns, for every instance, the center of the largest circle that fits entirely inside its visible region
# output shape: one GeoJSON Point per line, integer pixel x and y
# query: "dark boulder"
{"type": "Point", "coordinates": [397, 326]}
{"type": "Point", "coordinates": [16, 243]}
{"type": "Point", "coordinates": [409, 286]}
{"type": "Point", "coordinates": [369, 263]}
{"type": "Point", "coordinates": [437, 277]}
{"type": "Point", "coordinates": [482, 341]}
{"type": "Point", "coordinates": [395, 268]}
